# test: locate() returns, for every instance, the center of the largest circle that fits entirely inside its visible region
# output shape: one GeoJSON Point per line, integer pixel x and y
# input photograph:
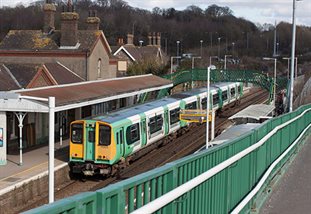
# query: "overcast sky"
{"type": "Point", "coordinates": [257, 11]}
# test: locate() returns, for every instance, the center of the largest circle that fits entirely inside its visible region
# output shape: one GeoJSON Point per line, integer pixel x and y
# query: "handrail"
{"type": "Point", "coordinates": [182, 189]}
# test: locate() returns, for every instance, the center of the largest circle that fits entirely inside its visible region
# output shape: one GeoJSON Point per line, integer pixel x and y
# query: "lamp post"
{"type": "Point", "coordinates": [233, 43]}
{"type": "Point", "coordinates": [296, 66]}
{"type": "Point", "coordinates": [219, 38]}
{"type": "Point", "coordinates": [194, 57]}
{"type": "Point", "coordinates": [225, 67]}
{"type": "Point", "coordinates": [210, 59]}
{"type": "Point", "coordinates": [201, 42]}
{"type": "Point", "coordinates": [292, 59]}
{"type": "Point", "coordinates": [274, 81]}
{"type": "Point", "coordinates": [172, 58]}
{"type": "Point", "coordinates": [177, 49]}
{"type": "Point", "coordinates": [207, 104]}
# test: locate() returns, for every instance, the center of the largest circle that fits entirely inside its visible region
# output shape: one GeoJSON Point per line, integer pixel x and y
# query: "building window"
{"type": "Point", "coordinates": [99, 68]}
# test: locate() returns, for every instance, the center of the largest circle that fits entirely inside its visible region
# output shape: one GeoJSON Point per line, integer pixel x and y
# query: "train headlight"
{"type": "Point", "coordinates": [99, 157]}
{"type": "Point", "coordinates": [74, 155]}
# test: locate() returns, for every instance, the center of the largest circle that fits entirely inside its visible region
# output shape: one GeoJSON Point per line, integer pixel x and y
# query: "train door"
{"type": "Point", "coordinates": [143, 131]}
{"type": "Point", "coordinates": [90, 143]}
{"type": "Point", "coordinates": [120, 141]}
{"type": "Point", "coordinates": [166, 126]}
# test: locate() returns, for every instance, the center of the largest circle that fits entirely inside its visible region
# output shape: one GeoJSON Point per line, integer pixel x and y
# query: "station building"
{"type": "Point", "coordinates": [24, 109]}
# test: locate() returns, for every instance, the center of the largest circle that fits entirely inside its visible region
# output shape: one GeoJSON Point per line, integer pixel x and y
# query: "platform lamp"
{"type": "Point", "coordinates": [292, 58]}
{"type": "Point", "coordinates": [274, 79]}
{"type": "Point", "coordinates": [225, 67]}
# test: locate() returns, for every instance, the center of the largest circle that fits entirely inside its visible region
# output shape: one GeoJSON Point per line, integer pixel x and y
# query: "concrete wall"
{"type": "Point", "coordinates": [20, 198]}
{"type": "Point", "coordinates": [2, 138]}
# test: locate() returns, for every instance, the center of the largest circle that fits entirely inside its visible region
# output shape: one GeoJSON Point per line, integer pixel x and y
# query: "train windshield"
{"type": "Point", "coordinates": [77, 133]}
{"type": "Point", "coordinates": [104, 135]}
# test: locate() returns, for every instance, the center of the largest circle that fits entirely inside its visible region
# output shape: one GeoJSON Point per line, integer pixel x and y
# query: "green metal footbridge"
{"type": "Point", "coordinates": [248, 76]}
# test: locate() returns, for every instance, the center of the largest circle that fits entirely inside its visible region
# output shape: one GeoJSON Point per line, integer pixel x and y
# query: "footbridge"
{"type": "Point", "coordinates": [247, 76]}
{"type": "Point", "coordinates": [229, 178]}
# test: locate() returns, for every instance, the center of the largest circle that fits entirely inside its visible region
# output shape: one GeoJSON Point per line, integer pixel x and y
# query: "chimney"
{"type": "Point", "coordinates": [69, 26]}
{"type": "Point", "coordinates": [159, 39]}
{"type": "Point", "coordinates": [154, 39]}
{"type": "Point", "coordinates": [49, 16]}
{"type": "Point", "coordinates": [120, 42]}
{"type": "Point", "coordinates": [130, 39]}
{"type": "Point", "coordinates": [149, 39]}
{"type": "Point", "coordinates": [93, 21]}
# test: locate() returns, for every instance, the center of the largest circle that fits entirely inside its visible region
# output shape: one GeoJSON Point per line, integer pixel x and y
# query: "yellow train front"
{"type": "Point", "coordinates": [92, 147]}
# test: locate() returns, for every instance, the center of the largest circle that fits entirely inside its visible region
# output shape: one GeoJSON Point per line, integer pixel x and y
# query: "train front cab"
{"type": "Point", "coordinates": [92, 146]}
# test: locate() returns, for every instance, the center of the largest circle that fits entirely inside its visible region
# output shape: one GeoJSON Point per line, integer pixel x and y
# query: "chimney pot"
{"type": "Point", "coordinates": [49, 17]}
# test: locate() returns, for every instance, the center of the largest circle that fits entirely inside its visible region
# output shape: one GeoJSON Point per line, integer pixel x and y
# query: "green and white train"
{"type": "Point", "coordinates": [99, 144]}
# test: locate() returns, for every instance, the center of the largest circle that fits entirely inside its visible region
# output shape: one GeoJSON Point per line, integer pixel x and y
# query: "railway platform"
{"type": "Point", "coordinates": [35, 166]}
{"type": "Point", "coordinates": [292, 193]}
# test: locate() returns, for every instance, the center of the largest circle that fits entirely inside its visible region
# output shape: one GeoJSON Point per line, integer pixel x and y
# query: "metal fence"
{"type": "Point", "coordinates": [220, 193]}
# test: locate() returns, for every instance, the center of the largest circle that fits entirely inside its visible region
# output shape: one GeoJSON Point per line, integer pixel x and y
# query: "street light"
{"type": "Point", "coordinates": [194, 57]}
{"type": "Point", "coordinates": [274, 81]}
{"type": "Point", "coordinates": [201, 41]}
{"type": "Point", "coordinates": [172, 58]}
{"type": "Point", "coordinates": [210, 59]}
{"type": "Point", "coordinates": [177, 49]}
{"type": "Point", "coordinates": [233, 43]}
{"type": "Point", "coordinates": [292, 59]}
{"type": "Point", "coordinates": [219, 38]}
{"type": "Point", "coordinates": [225, 67]}
{"type": "Point", "coordinates": [207, 104]}
{"type": "Point", "coordinates": [288, 58]}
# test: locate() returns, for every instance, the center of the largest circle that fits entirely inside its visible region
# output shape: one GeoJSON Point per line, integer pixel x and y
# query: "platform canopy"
{"type": "Point", "coordinates": [71, 96]}
{"type": "Point", "coordinates": [254, 113]}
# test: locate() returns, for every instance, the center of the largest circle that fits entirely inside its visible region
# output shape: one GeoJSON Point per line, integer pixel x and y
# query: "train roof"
{"type": "Point", "coordinates": [135, 110]}
{"type": "Point", "coordinates": [193, 92]}
{"type": "Point", "coordinates": [223, 84]}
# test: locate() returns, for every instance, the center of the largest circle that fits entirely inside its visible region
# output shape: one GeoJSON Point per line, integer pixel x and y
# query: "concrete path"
{"type": "Point", "coordinates": [293, 194]}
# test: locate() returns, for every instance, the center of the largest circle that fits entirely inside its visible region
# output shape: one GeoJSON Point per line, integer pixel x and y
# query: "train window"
{"type": "Point", "coordinates": [104, 135]}
{"type": "Point", "coordinates": [121, 136]}
{"type": "Point", "coordinates": [204, 103]}
{"type": "Point", "coordinates": [77, 133]}
{"type": "Point", "coordinates": [232, 92]}
{"type": "Point", "coordinates": [132, 133]}
{"type": "Point", "coordinates": [91, 136]}
{"type": "Point", "coordinates": [174, 116]}
{"type": "Point", "coordinates": [224, 95]}
{"type": "Point", "coordinates": [155, 123]}
{"type": "Point", "coordinates": [118, 139]}
{"type": "Point", "coordinates": [239, 89]}
{"type": "Point", "coordinates": [192, 105]}
{"type": "Point", "coordinates": [215, 99]}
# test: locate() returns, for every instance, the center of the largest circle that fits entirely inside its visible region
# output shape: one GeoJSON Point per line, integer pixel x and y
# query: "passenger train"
{"type": "Point", "coordinates": [101, 144]}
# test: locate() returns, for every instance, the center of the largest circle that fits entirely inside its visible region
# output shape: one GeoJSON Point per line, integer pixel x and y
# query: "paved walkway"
{"type": "Point", "coordinates": [34, 163]}
{"type": "Point", "coordinates": [293, 193]}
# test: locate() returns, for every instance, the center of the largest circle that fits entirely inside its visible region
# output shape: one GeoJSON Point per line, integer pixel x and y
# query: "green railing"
{"type": "Point", "coordinates": [219, 194]}
{"type": "Point", "coordinates": [247, 76]}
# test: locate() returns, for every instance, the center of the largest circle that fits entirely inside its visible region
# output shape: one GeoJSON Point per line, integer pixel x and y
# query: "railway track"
{"type": "Point", "coordinates": [186, 144]}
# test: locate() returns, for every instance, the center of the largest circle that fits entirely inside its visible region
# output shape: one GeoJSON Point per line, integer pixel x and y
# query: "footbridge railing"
{"type": "Point", "coordinates": [247, 76]}
{"type": "Point", "coordinates": [223, 179]}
